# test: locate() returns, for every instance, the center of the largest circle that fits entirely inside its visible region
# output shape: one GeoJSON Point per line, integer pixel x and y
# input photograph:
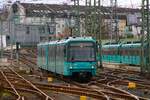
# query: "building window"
{"type": "Point", "coordinates": [41, 29]}
{"type": "Point", "coordinates": [130, 28]}
{"type": "Point", "coordinates": [27, 30]}
{"type": "Point", "coordinates": [51, 30]}
{"type": "Point", "coordinates": [58, 26]}
{"type": "Point", "coordinates": [63, 25]}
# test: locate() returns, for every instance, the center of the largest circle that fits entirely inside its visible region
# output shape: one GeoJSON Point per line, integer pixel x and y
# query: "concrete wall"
{"type": "Point", "coordinates": [3, 42]}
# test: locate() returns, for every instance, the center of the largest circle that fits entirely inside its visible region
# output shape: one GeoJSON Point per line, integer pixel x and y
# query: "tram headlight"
{"type": "Point", "coordinates": [92, 67]}
{"type": "Point", "coordinates": [70, 67]}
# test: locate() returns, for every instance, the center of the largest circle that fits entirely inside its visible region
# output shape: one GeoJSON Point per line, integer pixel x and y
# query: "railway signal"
{"type": "Point", "coordinates": [49, 79]}
{"type": "Point", "coordinates": [131, 85]}
{"type": "Point", "coordinates": [15, 8]}
{"type": "Point", "coordinates": [83, 98]}
{"type": "Point", "coordinates": [17, 51]}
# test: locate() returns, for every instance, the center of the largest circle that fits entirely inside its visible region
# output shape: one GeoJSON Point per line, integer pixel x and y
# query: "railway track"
{"type": "Point", "coordinates": [115, 80]}
{"type": "Point", "coordinates": [11, 77]}
{"type": "Point", "coordinates": [109, 91]}
{"type": "Point", "coordinates": [15, 84]}
{"type": "Point", "coordinates": [103, 87]}
{"type": "Point", "coordinates": [71, 90]}
{"type": "Point", "coordinates": [122, 76]}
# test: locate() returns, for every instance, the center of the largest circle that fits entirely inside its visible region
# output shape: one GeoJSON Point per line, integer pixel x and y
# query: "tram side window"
{"type": "Point", "coordinates": [58, 53]}
{"type": "Point", "coordinates": [42, 55]}
{"type": "Point", "coordinates": [39, 52]}
{"type": "Point", "coordinates": [121, 52]}
{"type": "Point", "coordinates": [135, 52]}
{"type": "Point", "coordinates": [128, 52]}
{"type": "Point", "coordinates": [125, 52]}
{"type": "Point", "coordinates": [110, 52]}
{"type": "Point", "coordinates": [138, 52]}
{"type": "Point", "coordinates": [113, 52]}
{"type": "Point", "coordinates": [107, 52]}
{"type": "Point", "coordinates": [50, 54]}
{"type": "Point", "coordinates": [103, 51]}
{"type": "Point", "coordinates": [62, 52]}
{"type": "Point", "coordinates": [53, 53]}
{"type": "Point", "coordinates": [116, 52]}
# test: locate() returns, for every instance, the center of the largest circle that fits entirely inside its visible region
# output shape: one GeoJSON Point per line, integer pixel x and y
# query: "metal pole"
{"type": "Point", "coordinates": [148, 36]}
{"type": "Point", "coordinates": [11, 39]}
{"type": "Point", "coordinates": [116, 22]}
{"type": "Point", "coordinates": [145, 54]}
{"type": "Point", "coordinates": [142, 40]}
{"type": "Point", "coordinates": [99, 27]}
{"type": "Point", "coordinates": [111, 21]}
{"type": "Point", "coordinates": [94, 20]}
{"type": "Point", "coordinates": [77, 20]}
{"type": "Point", "coordinates": [1, 39]}
{"type": "Point", "coordinates": [86, 17]}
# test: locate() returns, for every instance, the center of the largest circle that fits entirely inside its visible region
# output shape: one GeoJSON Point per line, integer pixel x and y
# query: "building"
{"type": "Point", "coordinates": [33, 23]}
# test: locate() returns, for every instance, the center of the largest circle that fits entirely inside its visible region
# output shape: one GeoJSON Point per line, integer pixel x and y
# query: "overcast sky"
{"type": "Point", "coordinates": [123, 3]}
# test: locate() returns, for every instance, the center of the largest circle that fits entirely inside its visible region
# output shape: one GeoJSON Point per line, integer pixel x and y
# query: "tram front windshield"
{"type": "Point", "coordinates": [82, 52]}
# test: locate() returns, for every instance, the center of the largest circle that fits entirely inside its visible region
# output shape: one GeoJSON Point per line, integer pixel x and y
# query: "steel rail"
{"type": "Point", "coordinates": [70, 90]}
{"type": "Point", "coordinates": [12, 86]}
{"type": "Point", "coordinates": [125, 82]}
{"type": "Point", "coordinates": [47, 97]}
{"type": "Point", "coordinates": [26, 90]}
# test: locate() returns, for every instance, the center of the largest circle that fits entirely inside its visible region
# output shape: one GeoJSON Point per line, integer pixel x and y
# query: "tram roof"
{"type": "Point", "coordinates": [70, 39]}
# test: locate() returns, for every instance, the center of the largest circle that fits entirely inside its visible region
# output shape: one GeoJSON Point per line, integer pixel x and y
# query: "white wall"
{"type": "Point", "coordinates": [3, 41]}
{"type": "Point", "coordinates": [136, 30]}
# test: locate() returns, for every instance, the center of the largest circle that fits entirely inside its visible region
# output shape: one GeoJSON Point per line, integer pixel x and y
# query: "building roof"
{"type": "Point", "coordinates": [48, 10]}
{"type": "Point", "coordinates": [3, 15]}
